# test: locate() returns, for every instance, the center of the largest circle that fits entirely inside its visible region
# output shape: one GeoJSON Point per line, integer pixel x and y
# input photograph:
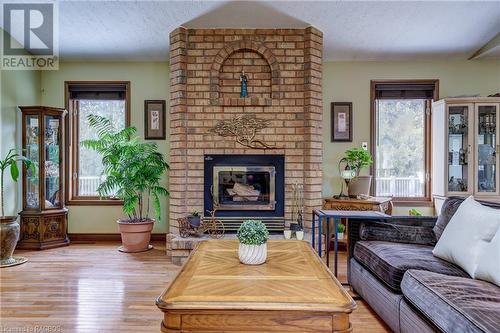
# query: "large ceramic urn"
{"type": "Point", "coordinates": [9, 235]}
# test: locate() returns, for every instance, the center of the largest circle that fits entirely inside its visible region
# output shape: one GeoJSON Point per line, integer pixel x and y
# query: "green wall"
{"type": "Point", "coordinates": [350, 82]}
{"type": "Point", "coordinates": [18, 88]}
{"type": "Point", "coordinates": [342, 82]}
{"type": "Point", "coordinates": [148, 80]}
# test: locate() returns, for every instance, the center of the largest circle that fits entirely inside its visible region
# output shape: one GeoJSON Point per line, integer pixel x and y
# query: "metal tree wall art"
{"type": "Point", "coordinates": [244, 129]}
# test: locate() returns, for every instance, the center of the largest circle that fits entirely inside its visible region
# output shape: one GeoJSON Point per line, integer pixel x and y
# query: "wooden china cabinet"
{"type": "Point", "coordinates": [44, 218]}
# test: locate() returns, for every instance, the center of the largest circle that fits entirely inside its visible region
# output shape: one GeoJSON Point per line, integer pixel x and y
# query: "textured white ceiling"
{"type": "Point", "coordinates": [138, 30]}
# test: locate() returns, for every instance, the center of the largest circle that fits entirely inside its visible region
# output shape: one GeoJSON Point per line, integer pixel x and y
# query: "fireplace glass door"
{"type": "Point", "coordinates": [244, 187]}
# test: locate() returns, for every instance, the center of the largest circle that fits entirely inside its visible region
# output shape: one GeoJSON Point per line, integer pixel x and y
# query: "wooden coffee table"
{"type": "Point", "coordinates": [292, 292]}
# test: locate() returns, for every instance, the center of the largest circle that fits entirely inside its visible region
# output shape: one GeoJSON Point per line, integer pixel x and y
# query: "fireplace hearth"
{"type": "Point", "coordinates": [242, 187]}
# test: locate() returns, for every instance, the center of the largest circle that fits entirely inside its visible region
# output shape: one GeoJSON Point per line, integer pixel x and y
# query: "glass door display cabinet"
{"type": "Point", "coordinates": [459, 144]}
{"type": "Point", "coordinates": [44, 217]}
{"type": "Point", "coordinates": [487, 149]}
{"type": "Point", "coordinates": [465, 148]}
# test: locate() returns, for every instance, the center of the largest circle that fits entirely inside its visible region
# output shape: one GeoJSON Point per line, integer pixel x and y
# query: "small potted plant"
{"type": "Point", "coordinates": [358, 159]}
{"type": "Point", "coordinates": [340, 231]}
{"type": "Point", "coordinates": [414, 212]}
{"type": "Point", "coordinates": [132, 173]}
{"type": "Point", "coordinates": [194, 219]}
{"type": "Point", "coordinates": [253, 237]}
{"type": "Point", "coordinates": [9, 228]}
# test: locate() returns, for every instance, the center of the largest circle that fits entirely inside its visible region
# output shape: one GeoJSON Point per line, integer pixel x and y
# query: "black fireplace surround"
{"type": "Point", "coordinates": [245, 186]}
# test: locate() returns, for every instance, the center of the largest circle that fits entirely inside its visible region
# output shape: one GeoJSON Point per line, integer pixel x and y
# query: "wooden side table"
{"type": "Point", "coordinates": [377, 204]}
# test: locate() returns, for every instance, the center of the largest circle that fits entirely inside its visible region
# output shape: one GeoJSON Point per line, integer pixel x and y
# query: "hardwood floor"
{"type": "Point", "coordinates": [95, 288]}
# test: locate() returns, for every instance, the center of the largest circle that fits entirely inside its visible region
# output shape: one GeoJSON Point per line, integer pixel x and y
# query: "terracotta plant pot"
{"type": "Point", "coordinates": [360, 185]}
{"type": "Point", "coordinates": [252, 254]}
{"type": "Point", "coordinates": [135, 235]}
{"type": "Point", "coordinates": [9, 235]}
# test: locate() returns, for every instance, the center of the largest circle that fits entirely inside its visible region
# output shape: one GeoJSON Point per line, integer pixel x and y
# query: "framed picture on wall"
{"type": "Point", "coordinates": [341, 121]}
{"type": "Point", "coordinates": [154, 120]}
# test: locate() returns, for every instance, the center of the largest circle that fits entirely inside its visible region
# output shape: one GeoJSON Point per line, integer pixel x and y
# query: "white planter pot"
{"type": "Point", "coordinates": [340, 235]}
{"type": "Point", "coordinates": [287, 234]}
{"type": "Point", "coordinates": [359, 185]}
{"type": "Point", "coordinates": [299, 235]}
{"type": "Point", "coordinates": [252, 254]}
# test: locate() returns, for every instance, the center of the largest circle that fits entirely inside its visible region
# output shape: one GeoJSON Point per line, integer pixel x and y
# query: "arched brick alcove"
{"type": "Point", "coordinates": [260, 64]}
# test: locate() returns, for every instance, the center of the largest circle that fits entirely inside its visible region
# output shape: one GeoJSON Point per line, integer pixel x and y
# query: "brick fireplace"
{"type": "Point", "coordinates": [245, 187]}
{"type": "Point", "coordinates": [284, 73]}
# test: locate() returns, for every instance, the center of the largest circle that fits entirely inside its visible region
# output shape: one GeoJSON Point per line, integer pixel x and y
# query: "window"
{"type": "Point", "coordinates": [107, 99]}
{"type": "Point", "coordinates": [401, 138]}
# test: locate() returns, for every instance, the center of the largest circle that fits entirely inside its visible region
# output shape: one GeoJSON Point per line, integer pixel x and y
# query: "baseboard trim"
{"type": "Point", "coordinates": [107, 237]}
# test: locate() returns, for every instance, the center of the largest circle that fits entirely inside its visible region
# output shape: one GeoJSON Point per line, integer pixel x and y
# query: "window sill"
{"type": "Point", "coordinates": [398, 202]}
{"type": "Point", "coordinates": [94, 202]}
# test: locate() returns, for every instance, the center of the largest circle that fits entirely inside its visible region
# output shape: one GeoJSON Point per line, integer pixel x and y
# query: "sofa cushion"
{"type": "Point", "coordinates": [403, 232]}
{"type": "Point", "coordinates": [471, 228]}
{"type": "Point", "coordinates": [449, 208]}
{"type": "Point", "coordinates": [389, 261]}
{"type": "Point", "coordinates": [488, 265]}
{"type": "Point", "coordinates": [454, 304]}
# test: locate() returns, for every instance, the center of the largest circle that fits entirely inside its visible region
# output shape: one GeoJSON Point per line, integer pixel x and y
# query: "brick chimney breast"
{"type": "Point", "coordinates": [284, 73]}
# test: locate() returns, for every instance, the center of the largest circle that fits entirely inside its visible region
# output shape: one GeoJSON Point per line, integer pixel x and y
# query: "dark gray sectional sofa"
{"type": "Point", "coordinates": [392, 267]}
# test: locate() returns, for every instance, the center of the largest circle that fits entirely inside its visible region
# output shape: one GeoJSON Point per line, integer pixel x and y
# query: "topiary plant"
{"type": "Point", "coordinates": [253, 232]}
{"type": "Point", "coordinates": [340, 228]}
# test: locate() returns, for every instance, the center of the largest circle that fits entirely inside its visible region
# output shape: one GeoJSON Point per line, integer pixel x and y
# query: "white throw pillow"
{"type": "Point", "coordinates": [488, 267]}
{"type": "Point", "coordinates": [463, 238]}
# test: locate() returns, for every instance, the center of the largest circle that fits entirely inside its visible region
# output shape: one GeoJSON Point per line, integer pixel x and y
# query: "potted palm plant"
{"type": "Point", "coordinates": [253, 237]}
{"type": "Point", "coordinates": [9, 228]}
{"type": "Point", "coordinates": [358, 159]}
{"type": "Point", "coordinates": [132, 171]}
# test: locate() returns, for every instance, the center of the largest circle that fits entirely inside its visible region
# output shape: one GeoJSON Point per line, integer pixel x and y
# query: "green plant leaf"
{"type": "Point", "coordinates": [14, 170]}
